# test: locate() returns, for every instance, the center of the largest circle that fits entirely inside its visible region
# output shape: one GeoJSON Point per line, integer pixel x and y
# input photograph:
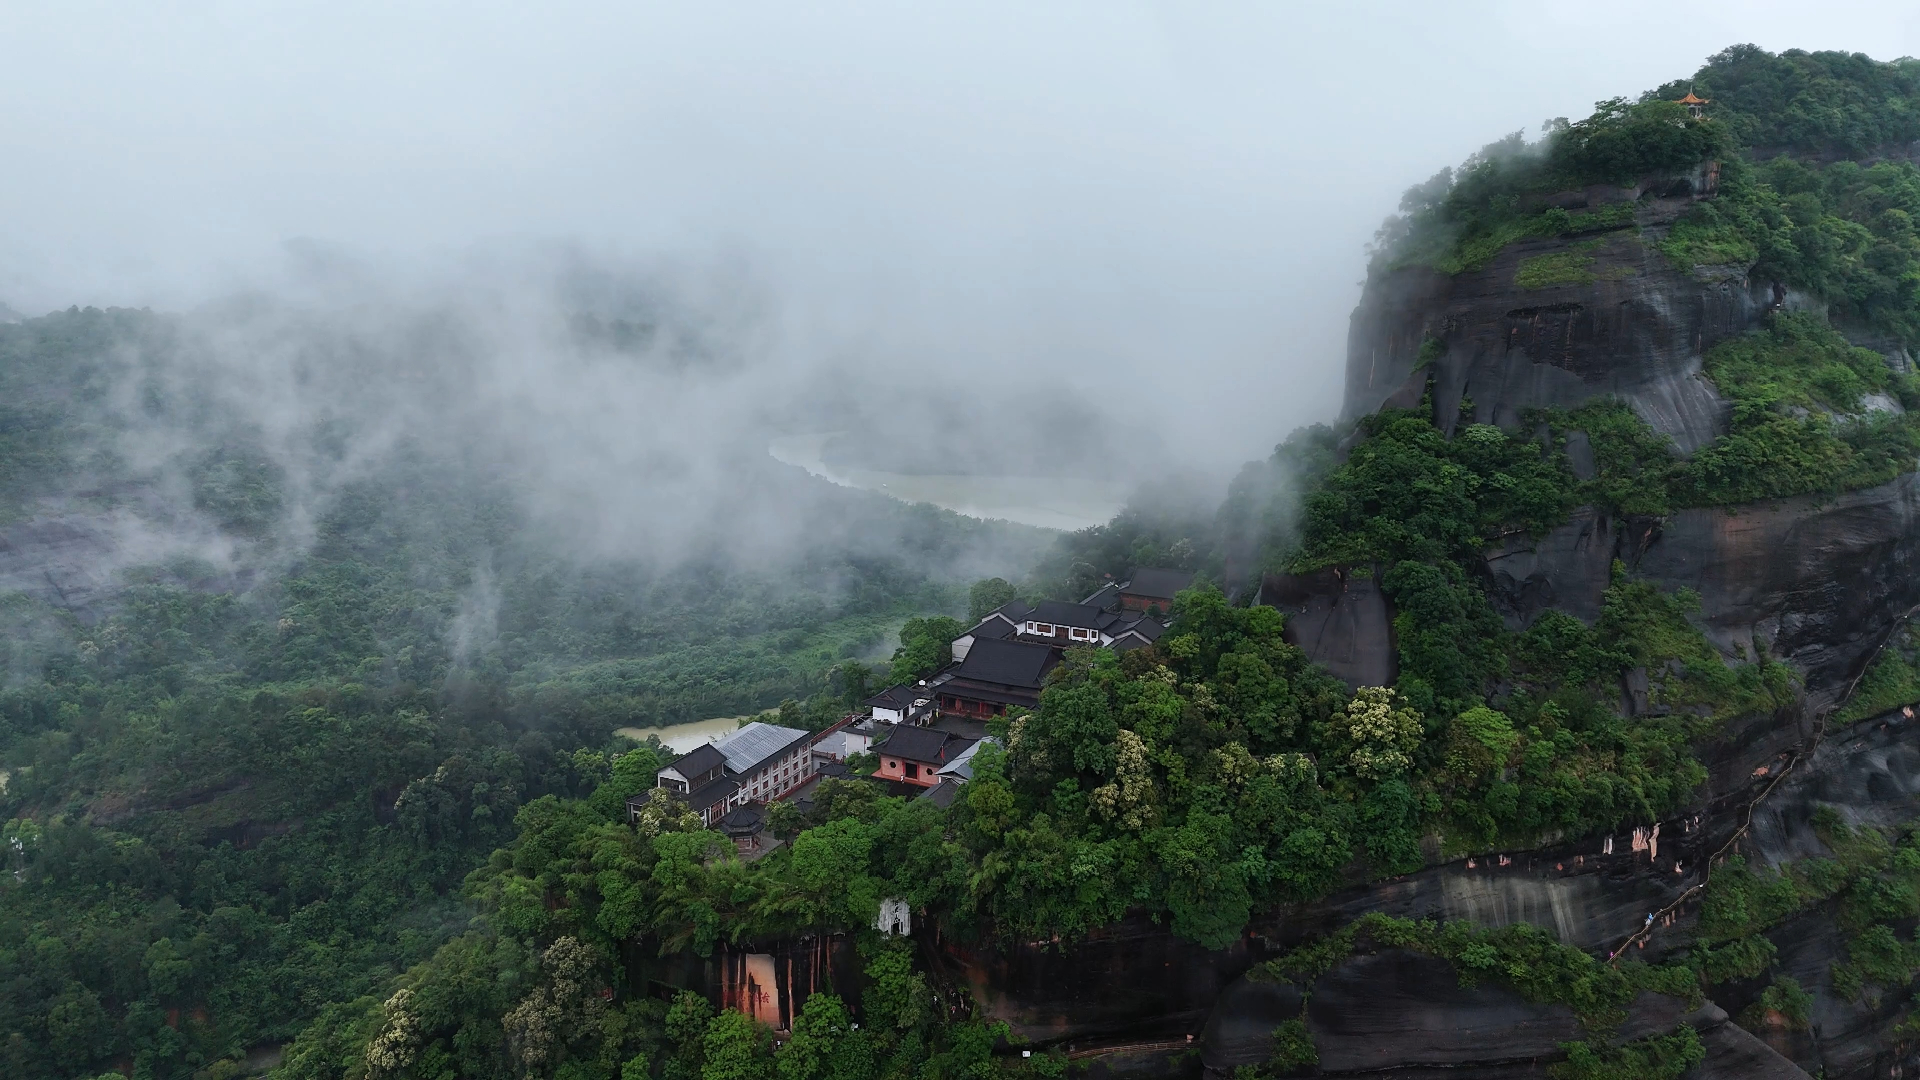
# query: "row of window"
{"type": "Point", "coordinates": [1074, 633]}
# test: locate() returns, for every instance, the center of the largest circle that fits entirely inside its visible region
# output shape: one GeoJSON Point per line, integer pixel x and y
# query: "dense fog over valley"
{"type": "Point", "coordinates": [916, 217]}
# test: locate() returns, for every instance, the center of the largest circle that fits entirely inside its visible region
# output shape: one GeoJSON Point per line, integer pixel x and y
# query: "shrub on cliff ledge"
{"type": "Point", "coordinates": [1797, 389]}
{"type": "Point", "coordinates": [1459, 219]}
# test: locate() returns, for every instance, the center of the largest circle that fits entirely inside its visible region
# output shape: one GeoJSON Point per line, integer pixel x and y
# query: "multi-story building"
{"type": "Point", "coordinates": [755, 764]}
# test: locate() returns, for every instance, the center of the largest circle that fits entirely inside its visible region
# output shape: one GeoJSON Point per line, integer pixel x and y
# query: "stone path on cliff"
{"type": "Point", "coordinates": [1665, 916]}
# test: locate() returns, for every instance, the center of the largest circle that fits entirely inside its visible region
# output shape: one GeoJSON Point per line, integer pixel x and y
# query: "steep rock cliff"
{"type": "Point", "coordinates": [1817, 582]}
{"type": "Point", "coordinates": [1637, 331]}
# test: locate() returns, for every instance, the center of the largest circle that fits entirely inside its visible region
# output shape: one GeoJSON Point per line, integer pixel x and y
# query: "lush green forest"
{"type": "Point", "coordinates": [346, 781]}
{"type": "Point", "coordinates": [249, 783]}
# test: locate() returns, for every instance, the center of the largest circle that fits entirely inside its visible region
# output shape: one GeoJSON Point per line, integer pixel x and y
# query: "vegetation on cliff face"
{"type": "Point", "coordinates": [1890, 681]}
{"type": "Point", "coordinates": [1799, 196]}
{"type": "Point", "coordinates": [1841, 231]}
{"type": "Point", "coordinates": [1811, 415]}
{"type": "Point", "coordinates": [1865, 890]}
{"type": "Point", "coordinates": [1800, 422]}
{"type": "Point", "coordinates": [1459, 219]}
{"type": "Point", "coordinates": [1807, 203]}
{"type": "Point", "coordinates": [1823, 104]}
{"type": "Point", "coordinates": [1520, 957]}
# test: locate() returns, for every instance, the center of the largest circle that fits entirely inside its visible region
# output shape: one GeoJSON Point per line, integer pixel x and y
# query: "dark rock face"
{"type": "Point", "coordinates": [1239, 1030]}
{"type": "Point", "coordinates": [1637, 332]}
{"type": "Point", "coordinates": [58, 560]}
{"type": "Point", "coordinates": [1339, 618]}
{"type": "Point", "coordinates": [1394, 1009]}
{"type": "Point", "coordinates": [1134, 979]}
{"type": "Point", "coordinates": [1816, 582]}
{"type": "Point", "coordinates": [1569, 569]}
{"type": "Point", "coordinates": [1399, 1014]}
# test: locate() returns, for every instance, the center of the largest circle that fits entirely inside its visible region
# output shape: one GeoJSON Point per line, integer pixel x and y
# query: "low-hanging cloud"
{"type": "Point", "coordinates": [1155, 211]}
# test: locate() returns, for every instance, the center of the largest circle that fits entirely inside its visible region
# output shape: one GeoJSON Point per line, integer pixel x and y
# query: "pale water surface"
{"type": "Point", "coordinates": [681, 738]}
{"type": "Point", "coordinates": [1048, 502]}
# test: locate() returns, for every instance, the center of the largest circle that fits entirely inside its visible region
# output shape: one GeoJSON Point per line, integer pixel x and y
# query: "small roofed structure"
{"type": "Point", "coordinates": [960, 769]}
{"type": "Point", "coordinates": [1153, 589]}
{"type": "Point", "coordinates": [943, 794]}
{"type": "Point", "coordinates": [996, 676]}
{"type": "Point", "coordinates": [1138, 634]}
{"type": "Point", "coordinates": [743, 825]}
{"type": "Point", "coordinates": [694, 769]}
{"type": "Point", "coordinates": [915, 755]}
{"type": "Point", "coordinates": [1696, 106]}
{"type": "Point", "coordinates": [903, 704]}
{"type": "Point", "coordinates": [1002, 622]}
{"type": "Point", "coordinates": [842, 741]}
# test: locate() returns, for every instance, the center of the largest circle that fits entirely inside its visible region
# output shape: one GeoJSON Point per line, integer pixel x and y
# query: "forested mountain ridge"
{"type": "Point", "coordinates": [1405, 814]}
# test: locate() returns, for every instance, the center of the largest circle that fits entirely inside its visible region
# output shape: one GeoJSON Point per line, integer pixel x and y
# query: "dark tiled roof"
{"type": "Point", "coordinates": [943, 793]}
{"type": "Point", "coordinates": [992, 628]}
{"type": "Point", "coordinates": [1104, 597]}
{"type": "Point", "coordinates": [1024, 697]}
{"type": "Point", "coordinates": [1008, 663]}
{"type": "Point", "coordinates": [896, 697]}
{"type": "Point", "coordinates": [742, 821]}
{"type": "Point", "coordinates": [698, 761]}
{"type": "Point", "coordinates": [1145, 627]}
{"type": "Point", "coordinates": [1061, 613]}
{"type": "Point", "coordinates": [1012, 611]}
{"type": "Point", "coordinates": [922, 744]}
{"type": "Point", "coordinates": [1157, 584]}
{"type": "Point", "coordinates": [703, 797]}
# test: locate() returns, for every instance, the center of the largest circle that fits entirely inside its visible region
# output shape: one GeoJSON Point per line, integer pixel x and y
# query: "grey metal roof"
{"type": "Point", "coordinates": [746, 748]}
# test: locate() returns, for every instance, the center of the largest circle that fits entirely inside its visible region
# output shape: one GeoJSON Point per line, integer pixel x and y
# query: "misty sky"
{"type": "Point", "coordinates": [1164, 206]}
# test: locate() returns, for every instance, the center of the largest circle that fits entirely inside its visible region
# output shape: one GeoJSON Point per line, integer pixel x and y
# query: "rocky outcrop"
{"type": "Point", "coordinates": [1811, 580]}
{"type": "Point", "coordinates": [1340, 619]}
{"type": "Point", "coordinates": [1394, 1013]}
{"type": "Point", "coordinates": [1636, 330]}
{"type": "Point", "coordinates": [1132, 979]}
{"type": "Point", "coordinates": [1816, 582]}
{"type": "Point", "coordinates": [58, 561]}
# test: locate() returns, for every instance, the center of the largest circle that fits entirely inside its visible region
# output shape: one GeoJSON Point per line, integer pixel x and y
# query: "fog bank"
{"type": "Point", "coordinates": [1158, 209]}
